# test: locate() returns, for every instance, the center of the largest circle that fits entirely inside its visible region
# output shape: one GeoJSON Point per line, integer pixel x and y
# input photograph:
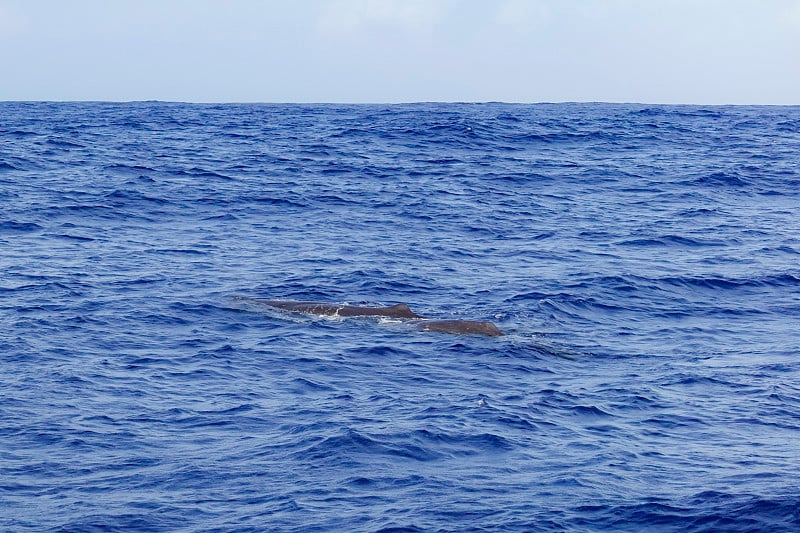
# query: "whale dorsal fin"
{"type": "Point", "coordinates": [403, 311]}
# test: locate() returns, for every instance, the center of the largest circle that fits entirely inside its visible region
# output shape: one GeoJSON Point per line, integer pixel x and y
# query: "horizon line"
{"type": "Point", "coordinates": [393, 103]}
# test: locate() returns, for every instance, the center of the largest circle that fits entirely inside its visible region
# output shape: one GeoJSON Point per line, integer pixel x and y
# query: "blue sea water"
{"type": "Point", "coordinates": [643, 261]}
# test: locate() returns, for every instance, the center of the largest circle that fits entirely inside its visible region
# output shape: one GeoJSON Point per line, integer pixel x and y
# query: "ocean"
{"type": "Point", "coordinates": [643, 262]}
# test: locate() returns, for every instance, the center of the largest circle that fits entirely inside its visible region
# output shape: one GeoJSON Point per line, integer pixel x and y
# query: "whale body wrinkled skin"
{"type": "Point", "coordinates": [462, 327]}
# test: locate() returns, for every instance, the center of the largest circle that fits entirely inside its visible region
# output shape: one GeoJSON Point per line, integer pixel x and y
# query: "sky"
{"type": "Point", "coordinates": [386, 51]}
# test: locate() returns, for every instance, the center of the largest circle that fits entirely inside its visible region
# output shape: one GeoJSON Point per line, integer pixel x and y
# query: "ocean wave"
{"type": "Point", "coordinates": [642, 261]}
{"type": "Point", "coordinates": [12, 226]}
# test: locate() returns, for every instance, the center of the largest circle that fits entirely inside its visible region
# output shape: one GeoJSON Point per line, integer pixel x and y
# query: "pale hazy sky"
{"type": "Point", "coordinates": [651, 51]}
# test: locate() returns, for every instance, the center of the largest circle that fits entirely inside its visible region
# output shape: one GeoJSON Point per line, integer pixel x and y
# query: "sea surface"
{"type": "Point", "coordinates": [643, 261]}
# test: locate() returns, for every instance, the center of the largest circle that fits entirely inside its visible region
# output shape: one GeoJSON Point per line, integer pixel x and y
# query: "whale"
{"type": "Point", "coordinates": [401, 311]}
{"type": "Point", "coordinates": [319, 308]}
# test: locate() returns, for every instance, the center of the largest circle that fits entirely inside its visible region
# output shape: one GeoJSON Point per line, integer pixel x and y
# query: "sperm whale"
{"type": "Point", "coordinates": [462, 327]}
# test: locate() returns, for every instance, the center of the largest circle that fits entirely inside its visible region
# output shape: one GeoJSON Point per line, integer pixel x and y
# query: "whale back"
{"type": "Point", "coordinates": [392, 311]}
{"type": "Point", "coordinates": [463, 327]}
{"type": "Point", "coordinates": [319, 308]}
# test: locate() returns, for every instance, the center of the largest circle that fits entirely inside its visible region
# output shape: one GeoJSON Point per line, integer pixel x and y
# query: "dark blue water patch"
{"type": "Point", "coordinates": [72, 237]}
{"type": "Point", "coordinates": [720, 511]}
{"type": "Point", "coordinates": [12, 226]}
{"type": "Point", "coordinates": [699, 212]}
{"type": "Point", "coordinates": [781, 280]}
{"type": "Point", "coordinates": [63, 143]}
{"type": "Point", "coordinates": [196, 172]}
{"type": "Point", "coordinates": [671, 241]}
{"type": "Point", "coordinates": [282, 202]}
{"type": "Point", "coordinates": [181, 251]}
{"type": "Point", "coordinates": [121, 198]}
{"type": "Point", "coordinates": [132, 170]}
{"type": "Point", "coordinates": [722, 179]}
